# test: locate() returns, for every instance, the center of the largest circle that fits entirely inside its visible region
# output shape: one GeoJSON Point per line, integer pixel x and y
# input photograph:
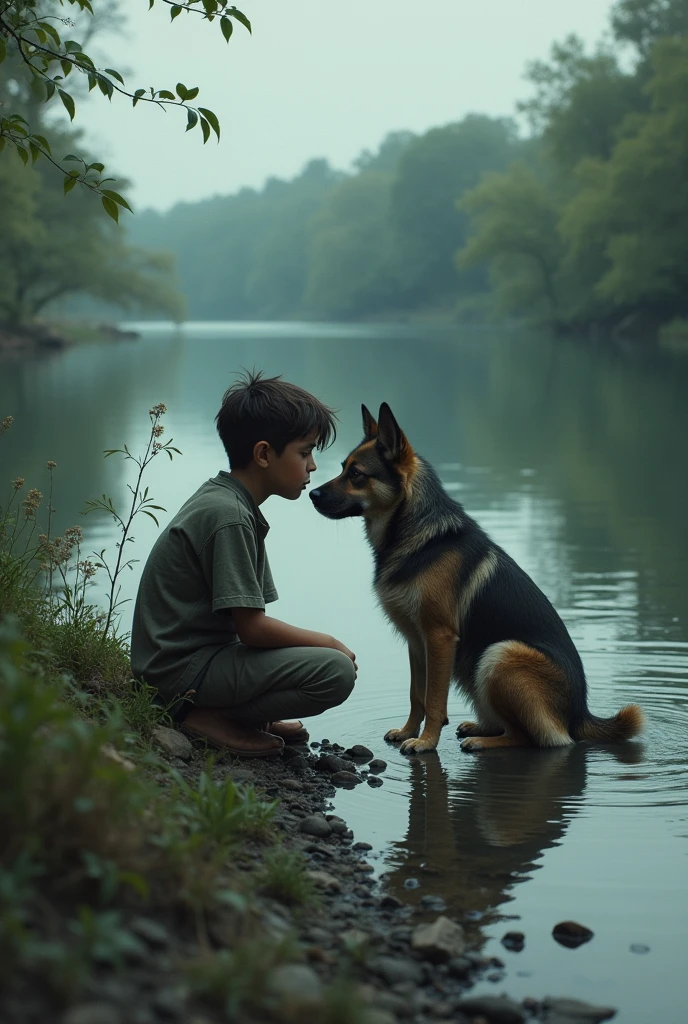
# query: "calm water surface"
{"type": "Point", "coordinates": [574, 459]}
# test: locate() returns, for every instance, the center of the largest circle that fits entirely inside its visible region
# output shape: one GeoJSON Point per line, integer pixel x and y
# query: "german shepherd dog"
{"type": "Point", "coordinates": [468, 612]}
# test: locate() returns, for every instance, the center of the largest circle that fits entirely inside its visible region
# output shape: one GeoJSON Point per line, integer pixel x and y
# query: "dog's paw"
{"type": "Point", "coordinates": [398, 735]}
{"type": "Point", "coordinates": [466, 729]}
{"type": "Point", "coordinates": [472, 746]}
{"type": "Point", "coordinates": [417, 746]}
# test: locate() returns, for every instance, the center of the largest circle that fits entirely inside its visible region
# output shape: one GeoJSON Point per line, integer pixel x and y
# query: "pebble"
{"type": "Point", "coordinates": [359, 753]}
{"type": "Point", "coordinates": [390, 902]}
{"type": "Point", "coordinates": [377, 765]}
{"type": "Point", "coordinates": [315, 825]}
{"type": "Point", "coordinates": [92, 1013]}
{"type": "Point", "coordinates": [173, 742]}
{"type": "Point", "coordinates": [411, 883]}
{"type": "Point", "coordinates": [639, 947]}
{"type": "Point", "coordinates": [293, 784]}
{"type": "Point", "coordinates": [345, 779]}
{"type": "Point", "coordinates": [514, 941]}
{"type": "Point", "coordinates": [570, 1010]}
{"type": "Point", "coordinates": [332, 764]}
{"type": "Point", "coordinates": [325, 880]}
{"type": "Point", "coordinates": [394, 970]}
{"type": "Point", "coordinates": [374, 781]}
{"type": "Point", "coordinates": [439, 941]}
{"type": "Point", "coordinates": [338, 825]}
{"type": "Point", "coordinates": [296, 985]}
{"type": "Point", "coordinates": [362, 846]}
{"type": "Point", "coordinates": [433, 903]}
{"type": "Point", "coordinates": [298, 764]}
{"type": "Point", "coordinates": [495, 1009]}
{"type": "Point", "coordinates": [459, 967]}
{"type": "Point", "coordinates": [571, 934]}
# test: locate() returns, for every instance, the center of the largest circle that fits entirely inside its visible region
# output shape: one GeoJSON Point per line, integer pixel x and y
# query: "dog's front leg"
{"type": "Point", "coordinates": [440, 646]}
{"type": "Point", "coordinates": [418, 687]}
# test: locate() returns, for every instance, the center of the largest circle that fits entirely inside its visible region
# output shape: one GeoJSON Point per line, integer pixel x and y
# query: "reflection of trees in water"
{"type": "Point", "coordinates": [471, 841]}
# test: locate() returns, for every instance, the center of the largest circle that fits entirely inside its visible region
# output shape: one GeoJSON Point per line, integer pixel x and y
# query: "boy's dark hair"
{"type": "Point", "coordinates": [257, 408]}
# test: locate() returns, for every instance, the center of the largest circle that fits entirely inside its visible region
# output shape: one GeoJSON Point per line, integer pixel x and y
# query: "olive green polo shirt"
{"type": "Point", "coordinates": [210, 558]}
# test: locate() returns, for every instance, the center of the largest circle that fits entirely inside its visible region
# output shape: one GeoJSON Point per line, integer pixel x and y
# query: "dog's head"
{"type": "Point", "coordinates": [375, 476]}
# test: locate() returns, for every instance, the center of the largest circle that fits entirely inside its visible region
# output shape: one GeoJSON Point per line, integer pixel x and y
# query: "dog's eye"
{"type": "Point", "coordinates": [355, 474]}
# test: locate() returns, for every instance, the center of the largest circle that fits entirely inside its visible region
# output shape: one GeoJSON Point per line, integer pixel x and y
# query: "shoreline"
{"type": "Point", "coordinates": [46, 337]}
{"type": "Point", "coordinates": [386, 961]}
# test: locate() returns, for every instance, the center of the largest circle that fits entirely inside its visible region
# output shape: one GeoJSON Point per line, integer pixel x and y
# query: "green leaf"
{"type": "Point", "coordinates": [234, 13]}
{"type": "Point", "coordinates": [35, 151]}
{"type": "Point", "coordinates": [68, 103]}
{"type": "Point", "coordinates": [137, 96]}
{"type": "Point", "coordinates": [2, 143]}
{"type": "Point", "coordinates": [205, 128]}
{"type": "Point", "coordinates": [212, 118]}
{"type": "Point", "coordinates": [114, 74]}
{"type": "Point", "coordinates": [69, 183]}
{"type": "Point", "coordinates": [117, 198]}
{"type": "Point", "coordinates": [165, 94]}
{"type": "Point", "coordinates": [92, 82]}
{"type": "Point", "coordinates": [111, 208]}
{"type": "Point", "coordinates": [174, 13]}
{"type": "Point", "coordinates": [106, 87]}
{"type": "Point", "coordinates": [227, 28]}
{"type": "Point", "coordinates": [49, 90]}
{"type": "Point", "coordinates": [181, 91]}
{"type": "Point", "coordinates": [66, 67]}
{"type": "Point", "coordinates": [43, 142]}
{"type": "Point", "coordinates": [96, 167]}
{"type": "Point", "coordinates": [72, 158]}
{"type": "Point", "coordinates": [23, 155]}
{"type": "Point", "coordinates": [191, 94]}
{"type": "Point", "coordinates": [191, 119]}
{"type": "Point", "coordinates": [147, 513]}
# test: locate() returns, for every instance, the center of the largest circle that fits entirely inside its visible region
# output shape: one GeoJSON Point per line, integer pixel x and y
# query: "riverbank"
{"type": "Point", "coordinates": [45, 337]}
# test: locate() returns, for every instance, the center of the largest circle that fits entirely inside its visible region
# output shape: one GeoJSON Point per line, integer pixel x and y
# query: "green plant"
{"type": "Point", "coordinates": [221, 810]}
{"type": "Point", "coordinates": [284, 877]}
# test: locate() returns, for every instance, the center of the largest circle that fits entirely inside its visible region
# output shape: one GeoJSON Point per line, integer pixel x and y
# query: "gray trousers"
{"type": "Point", "coordinates": [263, 685]}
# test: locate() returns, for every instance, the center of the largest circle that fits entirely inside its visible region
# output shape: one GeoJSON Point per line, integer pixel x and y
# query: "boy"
{"type": "Point", "coordinates": [200, 631]}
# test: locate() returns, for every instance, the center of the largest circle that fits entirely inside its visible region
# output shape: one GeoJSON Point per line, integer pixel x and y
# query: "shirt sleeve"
{"type": "Point", "coordinates": [269, 588]}
{"type": "Point", "coordinates": [229, 560]}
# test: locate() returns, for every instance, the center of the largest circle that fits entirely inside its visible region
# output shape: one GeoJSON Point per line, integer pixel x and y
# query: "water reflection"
{"type": "Point", "coordinates": [472, 841]}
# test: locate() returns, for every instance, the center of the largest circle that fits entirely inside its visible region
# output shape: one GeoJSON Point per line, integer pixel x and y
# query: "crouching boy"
{"type": "Point", "coordinates": [200, 631]}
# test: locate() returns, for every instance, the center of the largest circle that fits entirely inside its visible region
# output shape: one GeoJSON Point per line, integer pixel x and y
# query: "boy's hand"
{"type": "Point", "coordinates": [339, 646]}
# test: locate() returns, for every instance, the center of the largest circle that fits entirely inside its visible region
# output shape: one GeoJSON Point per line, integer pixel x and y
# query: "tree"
{"type": "Point", "coordinates": [643, 22]}
{"type": "Point", "coordinates": [433, 172]}
{"type": "Point", "coordinates": [41, 61]}
{"type": "Point", "coordinates": [515, 231]}
{"type": "Point", "coordinates": [351, 253]}
{"type": "Point", "coordinates": [50, 251]}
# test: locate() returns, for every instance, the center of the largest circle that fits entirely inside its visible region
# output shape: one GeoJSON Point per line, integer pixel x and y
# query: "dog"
{"type": "Point", "coordinates": [468, 612]}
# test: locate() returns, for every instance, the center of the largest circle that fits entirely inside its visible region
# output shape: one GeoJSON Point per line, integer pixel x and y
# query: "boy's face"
{"type": "Point", "coordinates": [290, 472]}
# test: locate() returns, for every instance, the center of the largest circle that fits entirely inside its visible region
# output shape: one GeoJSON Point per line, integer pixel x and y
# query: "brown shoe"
{"type": "Point", "coordinates": [290, 732]}
{"type": "Point", "coordinates": [238, 739]}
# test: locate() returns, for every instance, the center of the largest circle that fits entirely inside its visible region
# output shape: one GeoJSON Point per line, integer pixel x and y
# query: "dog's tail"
{"type": "Point", "coordinates": [628, 722]}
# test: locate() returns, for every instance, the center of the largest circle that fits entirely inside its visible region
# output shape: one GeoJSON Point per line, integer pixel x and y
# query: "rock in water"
{"type": "Point", "coordinates": [571, 934]}
{"type": "Point", "coordinates": [439, 941]}
{"type": "Point", "coordinates": [573, 1010]}
{"type": "Point", "coordinates": [345, 779]}
{"type": "Point", "coordinates": [359, 753]}
{"type": "Point", "coordinates": [495, 1009]}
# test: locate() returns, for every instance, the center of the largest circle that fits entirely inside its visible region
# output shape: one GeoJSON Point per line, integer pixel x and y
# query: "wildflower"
{"type": "Point", "coordinates": [87, 568]}
{"type": "Point", "coordinates": [19, 482]}
{"type": "Point", "coordinates": [158, 431]}
{"type": "Point", "coordinates": [158, 410]}
{"type": "Point", "coordinates": [51, 464]}
{"type": "Point", "coordinates": [74, 535]}
{"type": "Point", "coordinates": [31, 502]}
{"type": "Point", "coordinates": [156, 447]}
{"type": "Point", "coordinates": [6, 424]}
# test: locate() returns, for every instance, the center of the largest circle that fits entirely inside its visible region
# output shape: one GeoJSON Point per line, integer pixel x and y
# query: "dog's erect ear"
{"type": "Point", "coordinates": [369, 424]}
{"type": "Point", "coordinates": [390, 436]}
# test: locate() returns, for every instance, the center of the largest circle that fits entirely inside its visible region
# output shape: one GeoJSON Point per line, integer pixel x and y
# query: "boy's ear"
{"type": "Point", "coordinates": [369, 424]}
{"type": "Point", "coordinates": [390, 437]}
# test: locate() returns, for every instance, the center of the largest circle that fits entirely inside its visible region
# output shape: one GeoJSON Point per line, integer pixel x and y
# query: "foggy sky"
{"type": "Point", "coordinates": [316, 79]}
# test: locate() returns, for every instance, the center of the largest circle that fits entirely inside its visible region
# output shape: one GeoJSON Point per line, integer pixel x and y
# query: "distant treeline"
{"type": "Point", "coordinates": [582, 226]}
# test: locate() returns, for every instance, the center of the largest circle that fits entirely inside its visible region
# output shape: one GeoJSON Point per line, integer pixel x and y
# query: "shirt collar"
{"type": "Point", "coordinates": [224, 479]}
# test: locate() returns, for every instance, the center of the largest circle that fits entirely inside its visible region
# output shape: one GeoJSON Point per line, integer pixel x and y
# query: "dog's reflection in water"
{"type": "Point", "coordinates": [471, 840]}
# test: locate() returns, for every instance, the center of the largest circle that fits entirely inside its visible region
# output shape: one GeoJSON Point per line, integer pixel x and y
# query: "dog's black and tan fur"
{"type": "Point", "coordinates": [466, 609]}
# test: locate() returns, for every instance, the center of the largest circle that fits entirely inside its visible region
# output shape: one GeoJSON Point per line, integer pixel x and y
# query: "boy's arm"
{"type": "Point", "coordinates": [256, 629]}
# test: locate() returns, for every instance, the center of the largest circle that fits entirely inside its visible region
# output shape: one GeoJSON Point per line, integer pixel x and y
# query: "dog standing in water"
{"type": "Point", "coordinates": [468, 612]}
